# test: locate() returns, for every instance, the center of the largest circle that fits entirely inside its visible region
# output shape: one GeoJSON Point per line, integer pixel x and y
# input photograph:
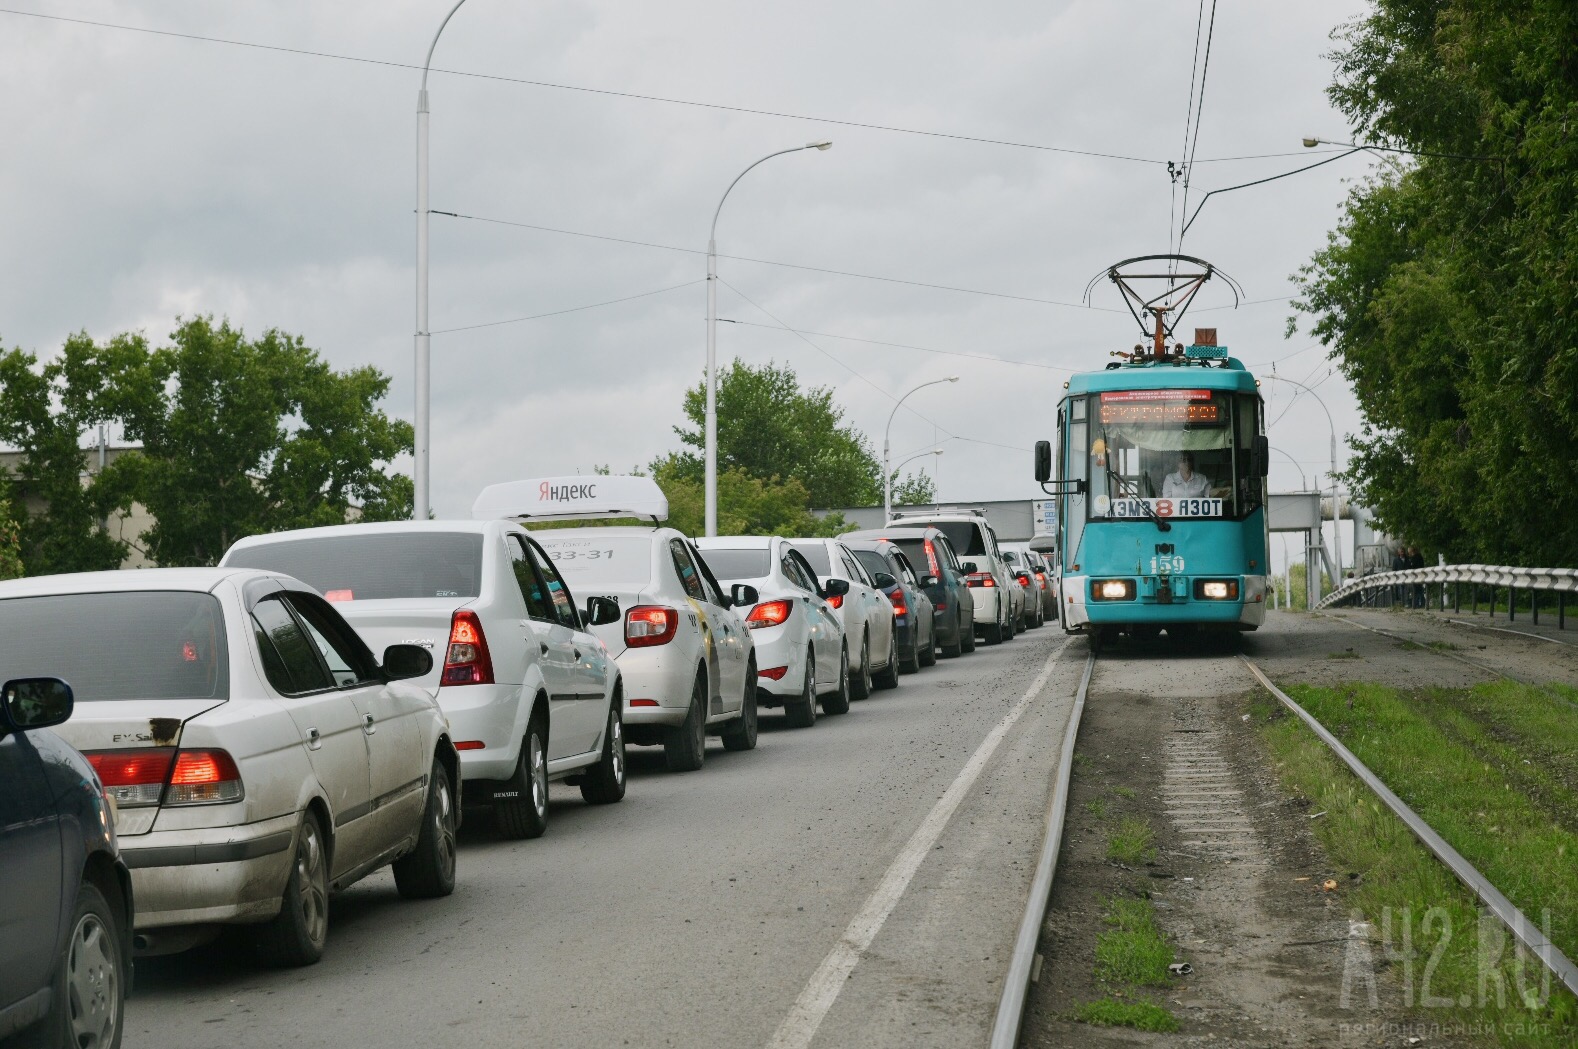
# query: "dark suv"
{"type": "Point", "coordinates": [942, 576]}
{"type": "Point", "coordinates": [65, 894]}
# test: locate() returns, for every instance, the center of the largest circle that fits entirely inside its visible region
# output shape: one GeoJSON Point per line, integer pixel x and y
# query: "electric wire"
{"type": "Point", "coordinates": [717, 106]}
{"type": "Point", "coordinates": [907, 346]}
{"type": "Point", "coordinates": [1183, 150]}
{"type": "Point", "coordinates": [571, 309]}
{"type": "Point", "coordinates": [1188, 175]}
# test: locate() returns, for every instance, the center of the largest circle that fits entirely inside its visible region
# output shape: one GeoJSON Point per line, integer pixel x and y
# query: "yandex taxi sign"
{"type": "Point", "coordinates": [578, 497]}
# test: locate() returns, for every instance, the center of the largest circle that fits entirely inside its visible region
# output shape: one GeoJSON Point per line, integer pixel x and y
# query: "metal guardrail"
{"type": "Point", "coordinates": [1559, 581]}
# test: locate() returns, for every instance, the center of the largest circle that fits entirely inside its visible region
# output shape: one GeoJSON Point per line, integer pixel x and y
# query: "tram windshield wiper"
{"type": "Point", "coordinates": [1123, 483]}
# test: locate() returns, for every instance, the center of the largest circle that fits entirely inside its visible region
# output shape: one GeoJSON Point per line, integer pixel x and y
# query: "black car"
{"type": "Point", "coordinates": [914, 620]}
{"type": "Point", "coordinates": [65, 894]}
{"type": "Point", "coordinates": [942, 577]}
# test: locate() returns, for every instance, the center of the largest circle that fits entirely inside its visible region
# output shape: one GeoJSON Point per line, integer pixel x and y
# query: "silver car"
{"type": "Point", "coordinates": [258, 756]}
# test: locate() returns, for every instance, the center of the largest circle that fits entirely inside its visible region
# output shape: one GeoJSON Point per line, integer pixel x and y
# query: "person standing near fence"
{"type": "Point", "coordinates": [1416, 591]}
{"type": "Point", "coordinates": [1399, 564]}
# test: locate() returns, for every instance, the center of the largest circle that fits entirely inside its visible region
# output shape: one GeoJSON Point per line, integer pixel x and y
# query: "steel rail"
{"type": "Point", "coordinates": [1021, 963]}
{"type": "Point", "coordinates": [1520, 926]}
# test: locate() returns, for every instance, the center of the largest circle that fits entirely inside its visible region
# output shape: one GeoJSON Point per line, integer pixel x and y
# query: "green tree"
{"type": "Point", "coordinates": [45, 410]}
{"type": "Point", "coordinates": [914, 489]}
{"type": "Point", "coordinates": [10, 543]}
{"type": "Point", "coordinates": [241, 436]}
{"type": "Point", "coordinates": [1447, 292]}
{"type": "Point", "coordinates": [747, 505]}
{"type": "Point", "coordinates": [768, 426]}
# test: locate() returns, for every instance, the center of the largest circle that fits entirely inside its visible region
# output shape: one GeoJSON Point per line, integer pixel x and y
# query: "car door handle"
{"type": "Point", "coordinates": [577, 655]}
{"type": "Point", "coordinates": [368, 724]}
{"type": "Point", "coordinates": [314, 742]}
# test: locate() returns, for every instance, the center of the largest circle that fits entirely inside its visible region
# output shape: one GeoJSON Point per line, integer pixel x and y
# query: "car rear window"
{"type": "Point", "coordinates": [375, 566]}
{"type": "Point", "coordinates": [915, 550]}
{"type": "Point", "coordinates": [158, 644]}
{"type": "Point", "coordinates": [816, 553]}
{"type": "Point", "coordinates": [739, 564]}
{"type": "Point", "coordinates": [593, 561]}
{"type": "Point", "coordinates": [966, 538]}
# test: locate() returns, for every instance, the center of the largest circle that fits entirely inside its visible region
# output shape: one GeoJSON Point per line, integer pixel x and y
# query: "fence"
{"type": "Point", "coordinates": [1433, 583]}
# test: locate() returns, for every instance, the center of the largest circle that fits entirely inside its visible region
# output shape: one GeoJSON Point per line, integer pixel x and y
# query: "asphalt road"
{"type": "Point", "coordinates": [696, 912]}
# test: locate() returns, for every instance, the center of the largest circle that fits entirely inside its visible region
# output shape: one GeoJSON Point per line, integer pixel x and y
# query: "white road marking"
{"type": "Point", "coordinates": [805, 1016]}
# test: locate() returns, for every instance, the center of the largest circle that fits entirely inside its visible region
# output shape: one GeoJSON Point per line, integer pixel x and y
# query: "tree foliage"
{"type": "Point", "coordinates": [1447, 292]}
{"type": "Point", "coordinates": [10, 543]}
{"type": "Point", "coordinates": [747, 505]}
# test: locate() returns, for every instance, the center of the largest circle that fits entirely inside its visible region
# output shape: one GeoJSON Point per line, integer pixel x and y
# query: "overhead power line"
{"type": "Point", "coordinates": [693, 103]}
{"type": "Point", "coordinates": [571, 309]}
{"type": "Point", "coordinates": [906, 346]}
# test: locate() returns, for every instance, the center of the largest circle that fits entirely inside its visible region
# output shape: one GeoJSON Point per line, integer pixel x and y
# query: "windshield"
{"type": "Point", "coordinates": [164, 644]}
{"type": "Point", "coordinates": [600, 560]}
{"type": "Point", "coordinates": [1170, 453]}
{"type": "Point", "coordinates": [375, 566]}
{"type": "Point", "coordinates": [738, 564]}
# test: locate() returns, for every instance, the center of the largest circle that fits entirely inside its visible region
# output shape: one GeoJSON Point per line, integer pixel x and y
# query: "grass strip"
{"type": "Point", "coordinates": [1132, 950]}
{"type": "Point", "coordinates": [1143, 1016]}
{"type": "Point", "coordinates": [1130, 842]}
{"type": "Point", "coordinates": [1427, 924]}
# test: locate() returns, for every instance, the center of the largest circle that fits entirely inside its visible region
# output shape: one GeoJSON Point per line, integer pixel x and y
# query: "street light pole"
{"type": "Point", "coordinates": [710, 424]}
{"type": "Point", "coordinates": [1336, 511]}
{"type": "Point", "coordinates": [887, 472]}
{"type": "Point", "coordinates": [420, 473]}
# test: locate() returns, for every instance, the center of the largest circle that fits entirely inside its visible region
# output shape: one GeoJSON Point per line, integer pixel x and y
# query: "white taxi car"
{"type": "Point", "coordinates": [257, 755]}
{"type": "Point", "coordinates": [687, 660]}
{"type": "Point", "coordinates": [865, 611]}
{"type": "Point", "coordinates": [799, 637]}
{"type": "Point", "coordinates": [531, 695]}
{"type": "Point", "coordinates": [999, 600]}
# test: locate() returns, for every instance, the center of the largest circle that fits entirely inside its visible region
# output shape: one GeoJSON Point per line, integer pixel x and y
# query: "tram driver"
{"type": "Point", "coordinates": [1185, 483]}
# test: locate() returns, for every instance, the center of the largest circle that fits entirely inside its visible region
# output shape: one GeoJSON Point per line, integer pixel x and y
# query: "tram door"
{"type": "Point", "coordinates": [1072, 463]}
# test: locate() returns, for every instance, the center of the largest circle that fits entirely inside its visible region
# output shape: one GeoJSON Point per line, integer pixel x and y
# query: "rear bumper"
{"type": "Point", "coordinates": [655, 675]}
{"type": "Point", "coordinates": [214, 875]}
{"type": "Point", "coordinates": [988, 602]}
{"type": "Point", "coordinates": [778, 647]}
{"type": "Point", "coordinates": [491, 714]}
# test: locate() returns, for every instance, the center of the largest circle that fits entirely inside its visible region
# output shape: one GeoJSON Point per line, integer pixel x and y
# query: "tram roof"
{"type": "Point", "coordinates": [1165, 375]}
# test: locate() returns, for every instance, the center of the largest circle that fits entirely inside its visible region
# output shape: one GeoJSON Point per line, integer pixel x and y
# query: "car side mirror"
{"type": "Point", "coordinates": [883, 580]}
{"type": "Point", "coordinates": [601, 611]}
{"type": "Point", "coordinates": [35, 702]}
{"type": "Point", "coordinates": [929, 580]}
{"type": "Point", "coordinates": [835, 588]}
{"type": "Point", "coordinates": [1043, 461]}
{"type": "Point", "coordinates": [968, 566]}
{"type": "Point", "coordinates": [1262, 462]}
{"type": "Point", "coordinates": [406, 661]}
{"type": "Point", "coordinates": [743, 594]}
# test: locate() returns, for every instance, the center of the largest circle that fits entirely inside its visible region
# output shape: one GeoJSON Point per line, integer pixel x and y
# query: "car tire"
{"type": "Point", "coordinates": [967, 633]}
{"type": "Point", "coordinates": [838, 702]}
{"type": "Point", "coordinates": [860, 687]}
{"type": "Point", "coordinates": [296, 936]}
{"type": "Point", "coordinates": [992, 635]}
{"type": "Point", "coordinates": [801, 713]}
{"type": "Point", "coordinates": [524, 813]}
{"type": "Point", "coordinates": [740, 734]}
{"type": "Point", "coordinates": [88, 991]}
{"type": "Point", "coordinates": [888, 676]}
{"type": "Point", "coordinates": [685, 747]}
{"type": "Point", "coordinates": [604, 782]}
{"type": "Point", "coordinates": [428, 871]}
{"type": "Point", "coordinates": [927, 654]}
{"type": "Point", "coordinates": [918, 654]}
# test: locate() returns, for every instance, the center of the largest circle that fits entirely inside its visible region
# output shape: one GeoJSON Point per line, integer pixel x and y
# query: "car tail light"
{"type": "Point", "coordinates": [980, 579]}
{"type": "Point", "coordinates": [1041, 577]}
{"type": "Point", "coordinates": [773, 673]}
{"type": "Point", "coordinates": [467, 661]}
{"type": "Point", "coordinates": [643, 703]}
{"type": "Point", "coordinates": [837, 601]}
{"type": "Point", "coordinates": [339, 595]}
{"type": "Point", "coordinates": [899, 607]}
{"type": "Point", "coordinates": [931, 559]}
{"type": "Point", "coordinates": [471, 744]}
{"type": "Point", "coordinates": [769, 613]}
{"type": "Point", "coordinates": [203, 777]}
{"type": "Point", "coordinates": [1112, 589]}
{"type": "Point", "coordinates": [133, 777]}
{"type": "Point", "coordinates": [649, 625]}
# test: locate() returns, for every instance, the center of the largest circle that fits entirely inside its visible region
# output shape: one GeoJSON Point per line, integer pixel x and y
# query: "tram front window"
{"type": "Point", "coordinates": [1172, 453]}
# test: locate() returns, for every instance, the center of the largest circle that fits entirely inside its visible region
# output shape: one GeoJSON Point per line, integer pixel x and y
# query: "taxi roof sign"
{"type": "Point", "coordinates": [572, 498]}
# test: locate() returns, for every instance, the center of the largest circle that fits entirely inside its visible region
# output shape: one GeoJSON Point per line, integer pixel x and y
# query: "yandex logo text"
{"type": "Point", "coordinates": [564, 492]}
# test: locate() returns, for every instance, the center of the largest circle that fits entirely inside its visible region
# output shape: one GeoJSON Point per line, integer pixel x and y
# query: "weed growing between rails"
{"type": "Point", "coordinates": [1459, 970]}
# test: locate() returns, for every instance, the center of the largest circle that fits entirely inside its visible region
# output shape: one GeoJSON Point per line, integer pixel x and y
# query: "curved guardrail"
{"type": "Point", "coordinates": [1556, 580]}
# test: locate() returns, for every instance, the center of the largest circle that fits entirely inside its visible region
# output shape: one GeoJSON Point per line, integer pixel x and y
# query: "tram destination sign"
{"type": "Point", "coordinates": [1124, 508]}
{"type": "Point", "coordinates": [1160, 406]}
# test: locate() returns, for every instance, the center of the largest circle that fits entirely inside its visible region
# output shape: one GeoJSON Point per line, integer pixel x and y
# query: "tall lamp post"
{"type": "Point", "coordinates": [1336, 511]}
{"type": "Point", "coordinates": [887, 471]}
{"type": "Point", "coordinates": [420, 473]}
{"type": "Point", "coordinates": [911, 459]}
{"type": "Point", "coordinates": [711, 423]}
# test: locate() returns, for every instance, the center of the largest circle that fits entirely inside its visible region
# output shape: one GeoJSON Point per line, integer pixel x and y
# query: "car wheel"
{"type": "Point", "coordinates": [801, 713]}
{"type": "Point", "coordinates": [928, 651]}
{"type": "Point", "coordinates": [918, 654]}
{"type": "Point", "coordinates": [741, 733]}
{"type": "Point", "coordinates": [428, 871]}
{"type": "Point", "coordinates": [860, 685]}
{"type": "Point", "coordinates": [522, 810]}
{"type": "Point", "coordinates": [297, 934]}
{"type": "Point", "coordinates": [604, 782]}
{"type": "Point", "coordinates": [967, 633]}
{"type": "Point", "coordinates": [992, 635]}
{"type": "Point", "coordinates": [888, 676]}
{"type": "Point", "coordinates": [685, 747]}
{"type": "Point", "coordinates": [838, 702]}
{"type": "Point", "coordinates": [88, 997]}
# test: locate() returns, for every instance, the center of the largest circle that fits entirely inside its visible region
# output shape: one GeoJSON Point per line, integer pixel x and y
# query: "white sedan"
{"type": "Point", "coordinates": [866, 614]}
{"type": "Point", "coordinates": [258, 755]}
{"type": "Point", "coordinates": [799, 638]}
{"type": "Point", "coordinates": [687, 660]}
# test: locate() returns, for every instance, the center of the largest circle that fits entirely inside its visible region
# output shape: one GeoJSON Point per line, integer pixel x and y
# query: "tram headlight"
{"type": "Point", "coordinates": [1216, 589]}
{"type": "Point", "coordinates": [1112, 590]}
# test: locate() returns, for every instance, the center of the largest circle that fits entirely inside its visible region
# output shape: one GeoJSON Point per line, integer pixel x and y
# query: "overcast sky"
{"type": "Point", "coordinates": [147, 177]}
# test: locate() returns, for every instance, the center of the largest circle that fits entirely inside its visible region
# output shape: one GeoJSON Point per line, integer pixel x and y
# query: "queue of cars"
{"type": "Point", "coordinates": [240, 753]}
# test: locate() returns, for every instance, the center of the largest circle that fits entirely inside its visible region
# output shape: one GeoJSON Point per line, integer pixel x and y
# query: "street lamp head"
{"type": "Point", "coordinates": [953, 378]}
{"type": "Point", "coordinates": [936, 451]}
{"type": "Point", "coordinates": [1311, 143]}
{"type": "Point", "coordinates": [819, 145]}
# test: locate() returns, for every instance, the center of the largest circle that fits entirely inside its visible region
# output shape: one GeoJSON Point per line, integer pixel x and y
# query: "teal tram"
{"type": "Point", "coordinates": [1159, 477]}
